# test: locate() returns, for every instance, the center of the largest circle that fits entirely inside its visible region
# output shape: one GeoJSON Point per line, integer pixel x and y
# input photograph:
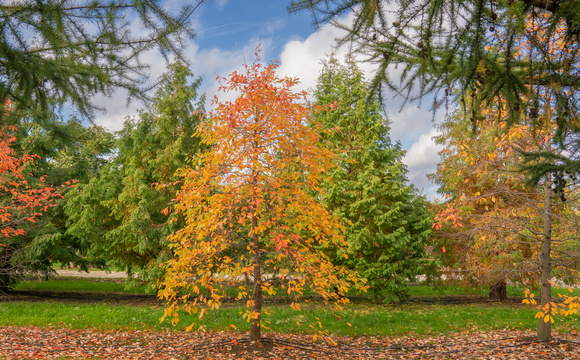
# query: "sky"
{"type": "Point", "coordinates": [227, 34]}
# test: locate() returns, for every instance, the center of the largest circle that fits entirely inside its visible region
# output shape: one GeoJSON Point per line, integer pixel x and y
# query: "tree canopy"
{"type": "Point", "coordinates": [56, 51]}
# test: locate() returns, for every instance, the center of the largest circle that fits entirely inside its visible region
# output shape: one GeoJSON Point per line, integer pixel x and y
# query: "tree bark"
{"type": "Point", "coordinates": [255, 329]}
{"type": "Point", "coordinates": [498, 291]}
{"type": "Point", "coordinates": [545, 328]}
{"type": "Point", "coordinates": [5, 270]}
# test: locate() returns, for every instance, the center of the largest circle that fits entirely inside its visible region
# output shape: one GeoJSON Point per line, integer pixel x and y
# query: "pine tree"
{"type": "Point", "coordinates": [122, 210]}
{"type": "Point", "coordinates": [387, 221]}
{"type": "Point", "coordinates": [67, 152]}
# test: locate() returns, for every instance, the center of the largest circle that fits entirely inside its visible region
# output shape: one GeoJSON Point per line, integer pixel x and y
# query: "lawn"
{"type": "Point", "coordinates": [92, 285]}
{"type": "Point", "coordinates": [355, 319]}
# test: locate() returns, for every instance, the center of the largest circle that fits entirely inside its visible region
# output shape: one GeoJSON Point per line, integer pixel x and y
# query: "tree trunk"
{"type": "Point", "coordinates": [255, 329]}
{"type": "Point", "coordinates": [545, 328]}
{"type": "Point", "coordinates": [5, 271]}
{"type": "Point", "coordinates": [498, 291]}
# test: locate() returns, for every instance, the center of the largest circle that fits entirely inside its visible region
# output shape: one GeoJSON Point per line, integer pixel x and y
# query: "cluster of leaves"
{"type": "Point", "coordinates": [67, 150]}
{"type": "Point", "coordinates": [495, 215]}
{"type": "Point", "coordinates": [546, 313]}
{"type": "Point", "coordinates": [33, 342]}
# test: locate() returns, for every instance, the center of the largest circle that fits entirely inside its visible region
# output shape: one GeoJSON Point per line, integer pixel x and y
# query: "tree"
{"type": "Point", "coordinates": [52, 52]}
{"type": "Point", "coordinates": [65, 151]}
{"type": "Point", "coordinates": [252, 204]}
{"type": "Point", "coordinates": [501, 222]}
{"type": "Point", "coordinates": [19, 204]}
{"type": "Point", "coordinates": [469, 50]}
{"type": "Point", "coordinates": [120, 211]}
{"type": "Point", "coordinates": [387, 223]}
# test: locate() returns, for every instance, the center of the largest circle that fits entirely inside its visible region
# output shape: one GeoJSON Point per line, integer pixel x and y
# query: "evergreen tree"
{"type": "Point", "coordinates": [56, 51]}
{"type": "Point", "coordinates": [68, 153]}
{"type": "Point", "coordinates": [122, 210]}
{"type": "Point", "coordinates": [387, 221]}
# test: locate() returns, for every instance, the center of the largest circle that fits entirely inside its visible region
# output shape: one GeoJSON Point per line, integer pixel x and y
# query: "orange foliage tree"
{"type": "Point", "coordinates": [487, 229]}
{"type": "Point", "coordinates": [252, 205]}
{"type": "Point", "coordinates": [19, 203]}
{"type": "Point", "coordinates": [492, 228]}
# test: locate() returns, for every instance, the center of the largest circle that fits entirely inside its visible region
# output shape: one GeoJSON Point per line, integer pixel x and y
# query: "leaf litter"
{"type": "Point", "coordinates": [57, 343]}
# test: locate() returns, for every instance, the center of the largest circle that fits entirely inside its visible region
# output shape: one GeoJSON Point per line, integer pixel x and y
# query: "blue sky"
{"type": "Point", "coordinates": [228, 31]}
{"type": "Point", "coordinates": [229, 24]}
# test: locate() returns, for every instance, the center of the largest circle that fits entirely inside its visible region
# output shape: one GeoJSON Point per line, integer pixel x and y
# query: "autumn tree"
{"type": "Point", "coordinates": [119, 211]}
{"type": "Point", "coordinates": [253, 205]}
{"type": "Point", "coordinates": [493, 227]}
{"type": "Point", "coordinates": [20, 203]}
{"type": "Point", "coordinates": [66, 51]}
{"type": "Point", "coordinates": [387, 223]}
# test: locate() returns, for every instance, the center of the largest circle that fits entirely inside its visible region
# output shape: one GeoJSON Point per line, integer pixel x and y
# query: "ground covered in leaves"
{"type": "Point", "coordinates": [59, 343]}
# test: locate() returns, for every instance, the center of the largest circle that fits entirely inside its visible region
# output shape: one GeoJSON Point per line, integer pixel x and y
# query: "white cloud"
{"type": "Point", "coordinates": [421, 159]}
{"type": "Point", "coordinates": [220, 4]}
{"type": "Point", "coordinates": [302, 58]}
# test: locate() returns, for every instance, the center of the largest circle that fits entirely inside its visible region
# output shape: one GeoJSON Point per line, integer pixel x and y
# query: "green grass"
{"type": "Point", "coordinates": [427, 290]}
{"type": "Point", "coordinates": [83, 285]}
{"type": "Point", "coordinates": [366, 320]}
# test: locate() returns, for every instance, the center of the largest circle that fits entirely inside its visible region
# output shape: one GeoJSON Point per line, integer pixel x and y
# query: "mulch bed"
{"type": "Point", "coordinates": [59, 343]}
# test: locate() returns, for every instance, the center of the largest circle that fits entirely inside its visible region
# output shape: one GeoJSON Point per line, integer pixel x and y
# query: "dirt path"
{"type": "Point", "coordinates": [58, 343]}
{"type": "Point", "coordinates": [93, 274]}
